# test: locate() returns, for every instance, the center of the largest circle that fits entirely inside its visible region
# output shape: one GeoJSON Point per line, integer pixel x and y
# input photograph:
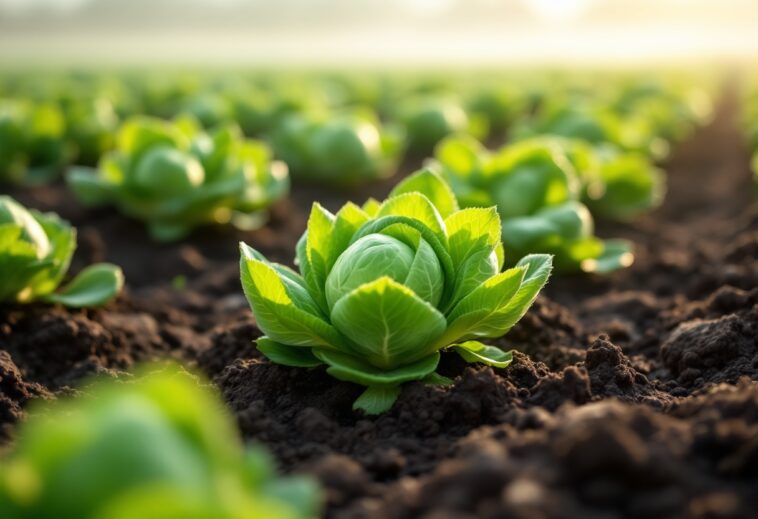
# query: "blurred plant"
{"type": "Point", "coordinates": [175, 177]}
{"type": "Point", "coordinates": [536, 191]}
{"type": "Point", "coordinates": [33, 147]}
{"type": "Point", "coordinates": [35, 252]}
{"type": "Point", "coordinates": [342, 150]}
{"type": "Point", "coordinates": [594, 123]}
{"type": "Point", "coordinates": [428, 120]}
{"type": "Point", "coordinates": [159, 447]}
{"type": "Point", "coordinates": [384, 288]}
{"type": "Point", "coordinates": [616, 184]}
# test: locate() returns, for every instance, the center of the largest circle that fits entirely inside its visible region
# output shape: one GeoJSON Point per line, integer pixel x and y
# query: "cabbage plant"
{"type": "Point", "coordinates": [160, 447]}
{"type": "Point", "coordinates": [384, 288]}
{"type": "Point", "coordinates": [175, 177]}
{"type": "Point", "coordinates": [345, 149]}
{"type": "Point", "coordinates": [35, 252]}
{"type": "Point", "coordinates": [537, 193]}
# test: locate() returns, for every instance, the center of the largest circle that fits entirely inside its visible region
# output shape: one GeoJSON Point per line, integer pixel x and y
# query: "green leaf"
{"type": "Point", "coordinates": [388, 324]}
{"type": "Point", "coordinates": [471, 230]}
{"type": "Point", "coordinates": [483, 313]}
{"type": "Point", "coordinates": [416, 206]}
{"type": "Point", "coordinates": [377, 399]}
{"type": "Point", "coordinates": [294, 356]}
{"type": "Point", "coordinates": [476, 269]}
{"type": "Point", "coordinates": [475, 351]}
{"type": "Point", "coordinates": [435, 379]}
{"type": "Point", "coordinates": [94, 286]}
{"type": "Point", "coordinates": [347, 221]}
{"type": "Point", "coordinates": [62, 239]}
{"type": "Point", "coordinates": [538, 269]}
{"type": "Point", "coordinates": [277, 314]}
{"type": "Point", "coordinates": [460, 153]}
{"type": "Point", "coordinates": [318, 251]}
{"type": "Point", "coordinates": [353, 369]}
{"type": "Point", "coordinates": [431, 185]}
{"type": "Point", "coordinates": [425, 275]}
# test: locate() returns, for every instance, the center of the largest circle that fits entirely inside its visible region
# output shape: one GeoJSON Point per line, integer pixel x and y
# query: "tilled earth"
{"type": "Point", "coordinates": [635, 395]}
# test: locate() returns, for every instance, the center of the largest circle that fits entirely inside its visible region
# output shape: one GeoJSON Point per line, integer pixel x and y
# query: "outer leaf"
{"type": "Point", "coordinates": [481, 313]}
{"type": "Point", "coordinates": [276, 313]}
{"type": "Point", "coordinates": [431, 185]}
{"type": "Point", "coordinates": [94, 286]}
{"type": "Point", "coordinates": [353, 369]}
{"type": "Point", "coordinates": [318, 251]}
{"type": "Point", "coordinates": [388, 323]}
{"type": "Point", "coordinates": [377, 399]}
{"type": "Point", "coordinates": [475, 351]}
{"type": "Point", "coordinates": [471, 230]}
{"type": "Point", "coordinates": [62, 246]}
{"type": "Point", "coordinates": [538, 268]}
{"type": "Point", "coordinates": [294, 356]}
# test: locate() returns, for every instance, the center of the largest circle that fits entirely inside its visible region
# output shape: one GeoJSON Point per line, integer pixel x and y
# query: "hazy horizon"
{"type": "Point", "coordinates": [377, 31]}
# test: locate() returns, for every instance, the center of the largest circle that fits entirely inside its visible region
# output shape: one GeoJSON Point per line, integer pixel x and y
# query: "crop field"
{"type": "Point", "coordinates": [238, 294]}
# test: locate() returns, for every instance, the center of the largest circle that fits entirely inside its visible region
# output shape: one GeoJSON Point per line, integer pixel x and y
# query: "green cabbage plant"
{"type": "Point", "coordinates": [345, 149]}
{"type": "Point", "coordinates": [160, 447]}
{"type": "Point", "coordinates": [33, 145]}
{"type": "Point", "coordinates": [175, 177]}
{"type": "Point", "coordinates": [35, 252]}
{"type": "Point", "coordinates": [537, 193]}
{"type": "Point", "coordinates": [384, 288]}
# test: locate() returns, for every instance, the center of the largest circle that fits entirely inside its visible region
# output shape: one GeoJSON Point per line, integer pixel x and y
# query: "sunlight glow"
{"type": "Point", "coordinates": [558, 10]}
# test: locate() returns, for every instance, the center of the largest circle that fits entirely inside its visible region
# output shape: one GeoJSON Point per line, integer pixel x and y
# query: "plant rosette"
{"type": "Point", "coordinates": [175, 177]}
{"type": "Point", "coordinates": [384, 288]}
{"type": "Point", "coordinates": [35, 253]}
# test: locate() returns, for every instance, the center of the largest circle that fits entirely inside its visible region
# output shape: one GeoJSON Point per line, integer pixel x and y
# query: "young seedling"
{"type": "Point", "coordinates": [160, 447]}
{"type": "Point", "coordinates": [384, 288]}
{"type": "Point", "coordinates": [175, 177]}
{"type": "Point", "coordinates": [536, 191]}
{"type": "Point", "coordinates": [343, 150]}
{"type": "Point", "coordinates": [35, 252]}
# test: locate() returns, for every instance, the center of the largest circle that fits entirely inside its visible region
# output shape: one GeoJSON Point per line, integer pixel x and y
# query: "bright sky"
{"type": "Point", "coordinates": [392, 31]}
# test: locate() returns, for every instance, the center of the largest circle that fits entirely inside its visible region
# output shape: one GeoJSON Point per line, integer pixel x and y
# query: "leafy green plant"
{"type": "Point", "coordinates": [344, 149]}
{"type": "Point", "coordinates": [33, 147]}
{"type": "Point", "coordinates": [383, 288]}
{"type": "Point", "coordinates": [537, 194]}
{"type": "Point", "coordinates": [175, 177]}
{"type": "Point", "coordinates": [160, 447]}
{"type": "Point", "coordinates": [35, 252]}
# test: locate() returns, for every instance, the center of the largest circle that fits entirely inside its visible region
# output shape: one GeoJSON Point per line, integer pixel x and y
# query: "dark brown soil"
{"type": "Point", "coordinates": [636, 395]}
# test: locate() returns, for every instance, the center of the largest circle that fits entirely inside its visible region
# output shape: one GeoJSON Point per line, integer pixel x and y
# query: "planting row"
{"type": "Point", "coordinates": [178, 153]}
